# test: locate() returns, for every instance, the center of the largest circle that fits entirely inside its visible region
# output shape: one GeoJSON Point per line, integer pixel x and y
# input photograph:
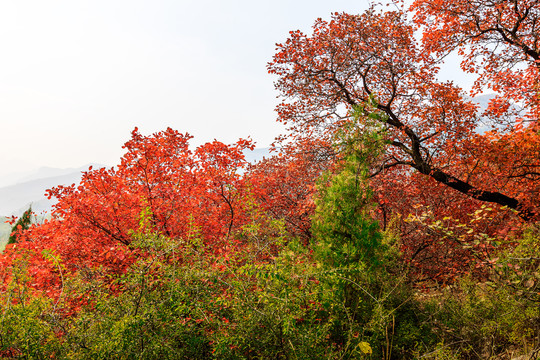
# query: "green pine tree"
{"type": "Point", "coordinates": [22, 224]}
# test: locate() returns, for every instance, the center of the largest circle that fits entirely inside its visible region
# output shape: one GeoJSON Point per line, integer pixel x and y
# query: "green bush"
{"type": "Point", "coordinates": [498, 317]}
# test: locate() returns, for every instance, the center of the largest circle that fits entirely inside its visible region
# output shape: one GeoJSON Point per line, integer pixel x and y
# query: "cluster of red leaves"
{"type": "Point", "coordinates": [442, 235]}
{"type": "Point", "coordinates": [285, 183]}
{"type": "Point", "coordinates": [186, 193]}
{"type": "Point", "coordinates": [499, 40]}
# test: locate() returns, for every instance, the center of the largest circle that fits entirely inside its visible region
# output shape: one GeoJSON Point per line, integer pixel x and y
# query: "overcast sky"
{"type": "Point", "coordinates": [77, 76]}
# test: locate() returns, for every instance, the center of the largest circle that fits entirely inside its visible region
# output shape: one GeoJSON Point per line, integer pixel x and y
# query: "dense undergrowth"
{"type": "Point", "coordinates": [301, 304]}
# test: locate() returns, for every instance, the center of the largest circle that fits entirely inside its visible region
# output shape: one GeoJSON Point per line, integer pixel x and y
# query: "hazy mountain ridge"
{"type": "Point", "coordinates": [257, 154]}
{"type": "Point", "coordinates": [43, 172]}
{"type": "Point", "coordinates": [15, 199]}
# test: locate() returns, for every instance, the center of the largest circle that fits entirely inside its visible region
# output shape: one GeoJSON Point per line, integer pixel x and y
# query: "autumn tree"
{"type": "Point", "coordinates": [498, 41]}
{"type": "Point", "coordinates": [436, 166]}
{"type": "Point", "coordinates": [374, 59]}
{"type": "Point", "coordinates": [185, 192]}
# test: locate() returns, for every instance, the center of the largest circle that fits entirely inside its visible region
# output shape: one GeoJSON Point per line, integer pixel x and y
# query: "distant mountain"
{"type": "Point", "coordinates": [15, 199]}
{"type": "Point", "coordinates": [49, 172]}
{"type": "Point", "coordinates": [485, 123]}
{"type": "Point", "coordinates": [13, 178]}
{"type": "Point", "coordinates": [41, 173]}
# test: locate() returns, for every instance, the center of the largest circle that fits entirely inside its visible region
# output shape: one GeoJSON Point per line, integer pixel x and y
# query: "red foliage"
{"type": "Point", "coordinates": [284, 183]}
{"type": "Point", "coordinates": [434, 158]}
{"type": "Point", "coordinates": [499, 40]}
{"type": "Point", "coordinates": [442, 232]}
{"type": "Point", "coordinates": [186, 192]}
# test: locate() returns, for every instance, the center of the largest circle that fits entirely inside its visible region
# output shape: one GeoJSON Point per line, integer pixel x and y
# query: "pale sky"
{"type": "Point", "coordinates": [77, 76]}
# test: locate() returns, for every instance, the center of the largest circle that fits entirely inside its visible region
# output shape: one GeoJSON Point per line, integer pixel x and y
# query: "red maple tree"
{"type": "Point", "coordinates": [185, 193]}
